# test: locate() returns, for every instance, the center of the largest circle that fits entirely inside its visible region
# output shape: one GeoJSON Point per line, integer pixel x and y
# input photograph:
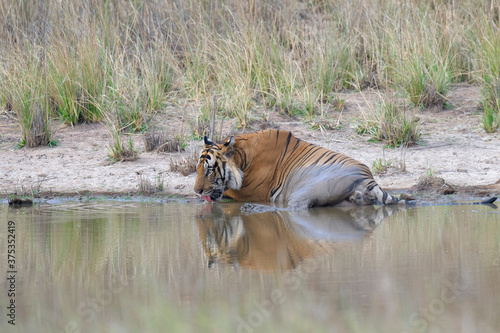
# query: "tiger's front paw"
{"type": "Point", "coordinates": [256, 208]}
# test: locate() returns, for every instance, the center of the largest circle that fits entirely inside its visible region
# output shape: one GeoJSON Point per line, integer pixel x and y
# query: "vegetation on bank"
{"type": "Point", "coordinates": [124, 61]}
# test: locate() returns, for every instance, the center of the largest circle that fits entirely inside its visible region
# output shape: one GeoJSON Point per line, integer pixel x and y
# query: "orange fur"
{"type": "Point", "coordinates": [277, 167]}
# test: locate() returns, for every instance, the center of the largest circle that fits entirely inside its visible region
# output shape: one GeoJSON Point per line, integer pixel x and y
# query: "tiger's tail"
{"type": "Point", "coordinates": [372, 194]}
{"type": "Point", "coordinates": [384, 198]}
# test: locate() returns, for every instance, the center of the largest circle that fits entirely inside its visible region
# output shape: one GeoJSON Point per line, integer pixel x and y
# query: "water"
{"type": "Point", "coordinates": [117, 266]}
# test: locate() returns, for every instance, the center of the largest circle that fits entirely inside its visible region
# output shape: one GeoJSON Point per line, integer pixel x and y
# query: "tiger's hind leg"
{"type": "Point", "coordinates": [318, 195]}
{"type": "Point", "coordinates": [327, 189]}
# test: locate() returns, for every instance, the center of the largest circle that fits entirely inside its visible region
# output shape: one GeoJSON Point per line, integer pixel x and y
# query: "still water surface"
{"type": "Point", "coordinates": [117, 266]}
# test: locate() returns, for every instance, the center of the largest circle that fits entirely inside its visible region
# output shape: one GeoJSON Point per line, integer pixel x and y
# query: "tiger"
{"type": "Point", "coordinates": [259, 241]}
{"type": "Point", "coordinates": [274, 166]}
{"type": "Point", "coordinates": [282, 240]}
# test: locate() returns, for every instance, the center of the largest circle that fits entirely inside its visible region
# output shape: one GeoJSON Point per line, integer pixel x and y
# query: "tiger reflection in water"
{"type": "Point", "coordinates": [281, 240]}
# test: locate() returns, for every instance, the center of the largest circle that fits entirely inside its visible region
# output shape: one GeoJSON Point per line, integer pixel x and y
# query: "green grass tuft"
{"type": "Point", "coordinates": [392, 123]}
{"type": "Point", "coordinates": [490, 100]}
{"type": "Point", "coordinates": [119, 151]}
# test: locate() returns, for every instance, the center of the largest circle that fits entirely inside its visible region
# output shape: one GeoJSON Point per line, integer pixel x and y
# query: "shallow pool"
{"type": "Point", "coordinates": [121, 266]}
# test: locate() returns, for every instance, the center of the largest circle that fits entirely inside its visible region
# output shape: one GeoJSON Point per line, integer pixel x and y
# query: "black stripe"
{"type": "Point", "coordinates": [250, 183]}
{"type": "Point", "coordinates": [292, 262]}
{"type": "Point", "coordinates": [292, 165]}
{"type": "Point", "coordinates": [243, 159]}
{"type": "Point", "coordinates": [305, 158]}
{"type": "Point", "coordinates": [288, 138]}
{"type": "Point", "coordinates": [330, 158]}
{"type": "Point", "coordinates": [282, 157]}
{"type": "Point", "coordinates": [371, 186]}
{"type": "Point", "coordinates": [262, 182]}
{"type": "Point", "coordinates": [319, 158]}
{"type": "Point", "coordinates": [384, 197]}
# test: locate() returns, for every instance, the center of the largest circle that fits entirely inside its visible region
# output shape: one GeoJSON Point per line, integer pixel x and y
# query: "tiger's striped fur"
{"type": "Point", "coordinates": [274, 166]}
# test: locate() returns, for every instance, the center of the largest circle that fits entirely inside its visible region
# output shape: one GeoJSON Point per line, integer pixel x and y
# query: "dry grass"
{"type": "Point", "coordinates": [148, 186]}
{"type": "Point", "coordinates": [131, 58]}
{"type": "Point", "coordinates": [153, 140]}
{"type": "Point", "coordinates": [184, 166]}
{"type": "Point", "coordinates": [40, 131]}
{"type": "Point", "coordinates": [158, 141]}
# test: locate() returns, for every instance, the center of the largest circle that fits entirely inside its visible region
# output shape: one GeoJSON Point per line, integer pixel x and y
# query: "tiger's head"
{"type": "Point", "coordinates": [217, 171]}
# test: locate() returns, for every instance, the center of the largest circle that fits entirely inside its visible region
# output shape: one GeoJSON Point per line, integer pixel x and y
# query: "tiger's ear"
{"type": "Point", "coordinates": [208, 142]}
{"type": "Point", "coordinates": [228, 147]}
{"type": "Point", "coordinates": [230, 142]}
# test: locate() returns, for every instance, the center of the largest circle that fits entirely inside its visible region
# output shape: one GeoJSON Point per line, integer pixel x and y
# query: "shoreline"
{"type": "Point", "coordinates": [453, 147]}
{"type": "Point", "coordinates": [430, 194]}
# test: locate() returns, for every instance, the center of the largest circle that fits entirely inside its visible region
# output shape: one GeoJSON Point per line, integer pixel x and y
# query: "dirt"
{"type": "Point", "coordinates": [453, 148]}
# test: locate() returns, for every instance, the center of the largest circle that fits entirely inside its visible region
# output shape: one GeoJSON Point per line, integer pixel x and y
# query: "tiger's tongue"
{"type": "Point", "coordinates": [207, 198]}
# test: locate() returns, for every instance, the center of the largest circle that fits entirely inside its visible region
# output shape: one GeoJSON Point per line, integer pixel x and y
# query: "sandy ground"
{"type": "Point", "coordinates": [453, 147]}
